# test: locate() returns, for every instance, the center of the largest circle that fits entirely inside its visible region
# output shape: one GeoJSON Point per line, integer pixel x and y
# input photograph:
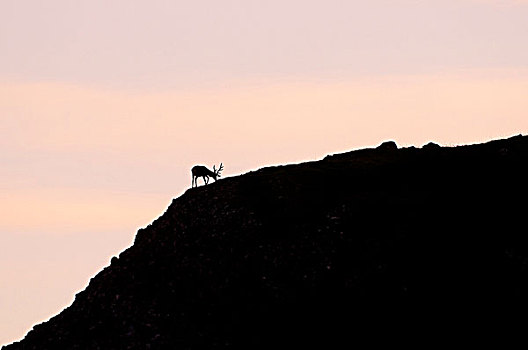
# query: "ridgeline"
{"type": "Point", "coordinates": [389, 241]}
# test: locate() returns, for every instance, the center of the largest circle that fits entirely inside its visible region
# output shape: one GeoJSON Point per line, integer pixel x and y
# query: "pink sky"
{"type": "Point", "coordinates": [106, 105]}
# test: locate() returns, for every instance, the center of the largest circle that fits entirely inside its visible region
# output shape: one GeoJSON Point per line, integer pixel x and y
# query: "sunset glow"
{"type": "Point", "coordinates": [104, 108]}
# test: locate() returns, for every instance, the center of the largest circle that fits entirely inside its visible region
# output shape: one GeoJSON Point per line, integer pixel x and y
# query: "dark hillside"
{"type": "Point", "coordinates": [378, 242]}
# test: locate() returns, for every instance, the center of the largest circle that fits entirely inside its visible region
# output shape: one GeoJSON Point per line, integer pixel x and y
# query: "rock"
{"type": "Point", "coordinates": [431, 145]}
{"type": "Point", "coordinates": [388, 146]}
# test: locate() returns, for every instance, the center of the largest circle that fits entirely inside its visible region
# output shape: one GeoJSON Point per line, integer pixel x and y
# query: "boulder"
{"type": "Point", "coordinates": [388, 146]}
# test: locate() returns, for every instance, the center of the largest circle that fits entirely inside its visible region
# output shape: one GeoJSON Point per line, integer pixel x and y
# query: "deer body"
{"type": "Point", "coordinates": [202, 171]}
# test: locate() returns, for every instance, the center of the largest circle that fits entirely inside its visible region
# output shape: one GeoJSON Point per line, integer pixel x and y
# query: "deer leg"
{"type": "Point", "coordinates": [206, 179]}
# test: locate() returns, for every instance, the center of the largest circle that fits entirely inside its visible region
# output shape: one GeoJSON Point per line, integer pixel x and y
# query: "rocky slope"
{"type": "Point", "coordinates": [376, 243]}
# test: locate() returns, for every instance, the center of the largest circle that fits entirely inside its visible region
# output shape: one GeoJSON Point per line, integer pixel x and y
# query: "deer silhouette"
{"type": "Point", "coordinates": [202, 171]}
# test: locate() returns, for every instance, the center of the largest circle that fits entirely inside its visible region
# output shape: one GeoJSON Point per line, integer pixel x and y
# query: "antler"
{"type": "Point", "coordinates": [219, 169]}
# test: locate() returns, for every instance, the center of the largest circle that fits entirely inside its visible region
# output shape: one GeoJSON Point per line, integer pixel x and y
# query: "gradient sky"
{"type": "Point", "coordinates": [106, 105]}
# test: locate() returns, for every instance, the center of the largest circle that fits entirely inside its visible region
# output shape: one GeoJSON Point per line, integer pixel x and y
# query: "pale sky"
{"type": "Point", "coordinates": [106, 105]}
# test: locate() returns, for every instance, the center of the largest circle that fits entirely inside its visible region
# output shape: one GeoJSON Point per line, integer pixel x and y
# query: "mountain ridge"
{"type": "Point", "coordinates": [314, 252]}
